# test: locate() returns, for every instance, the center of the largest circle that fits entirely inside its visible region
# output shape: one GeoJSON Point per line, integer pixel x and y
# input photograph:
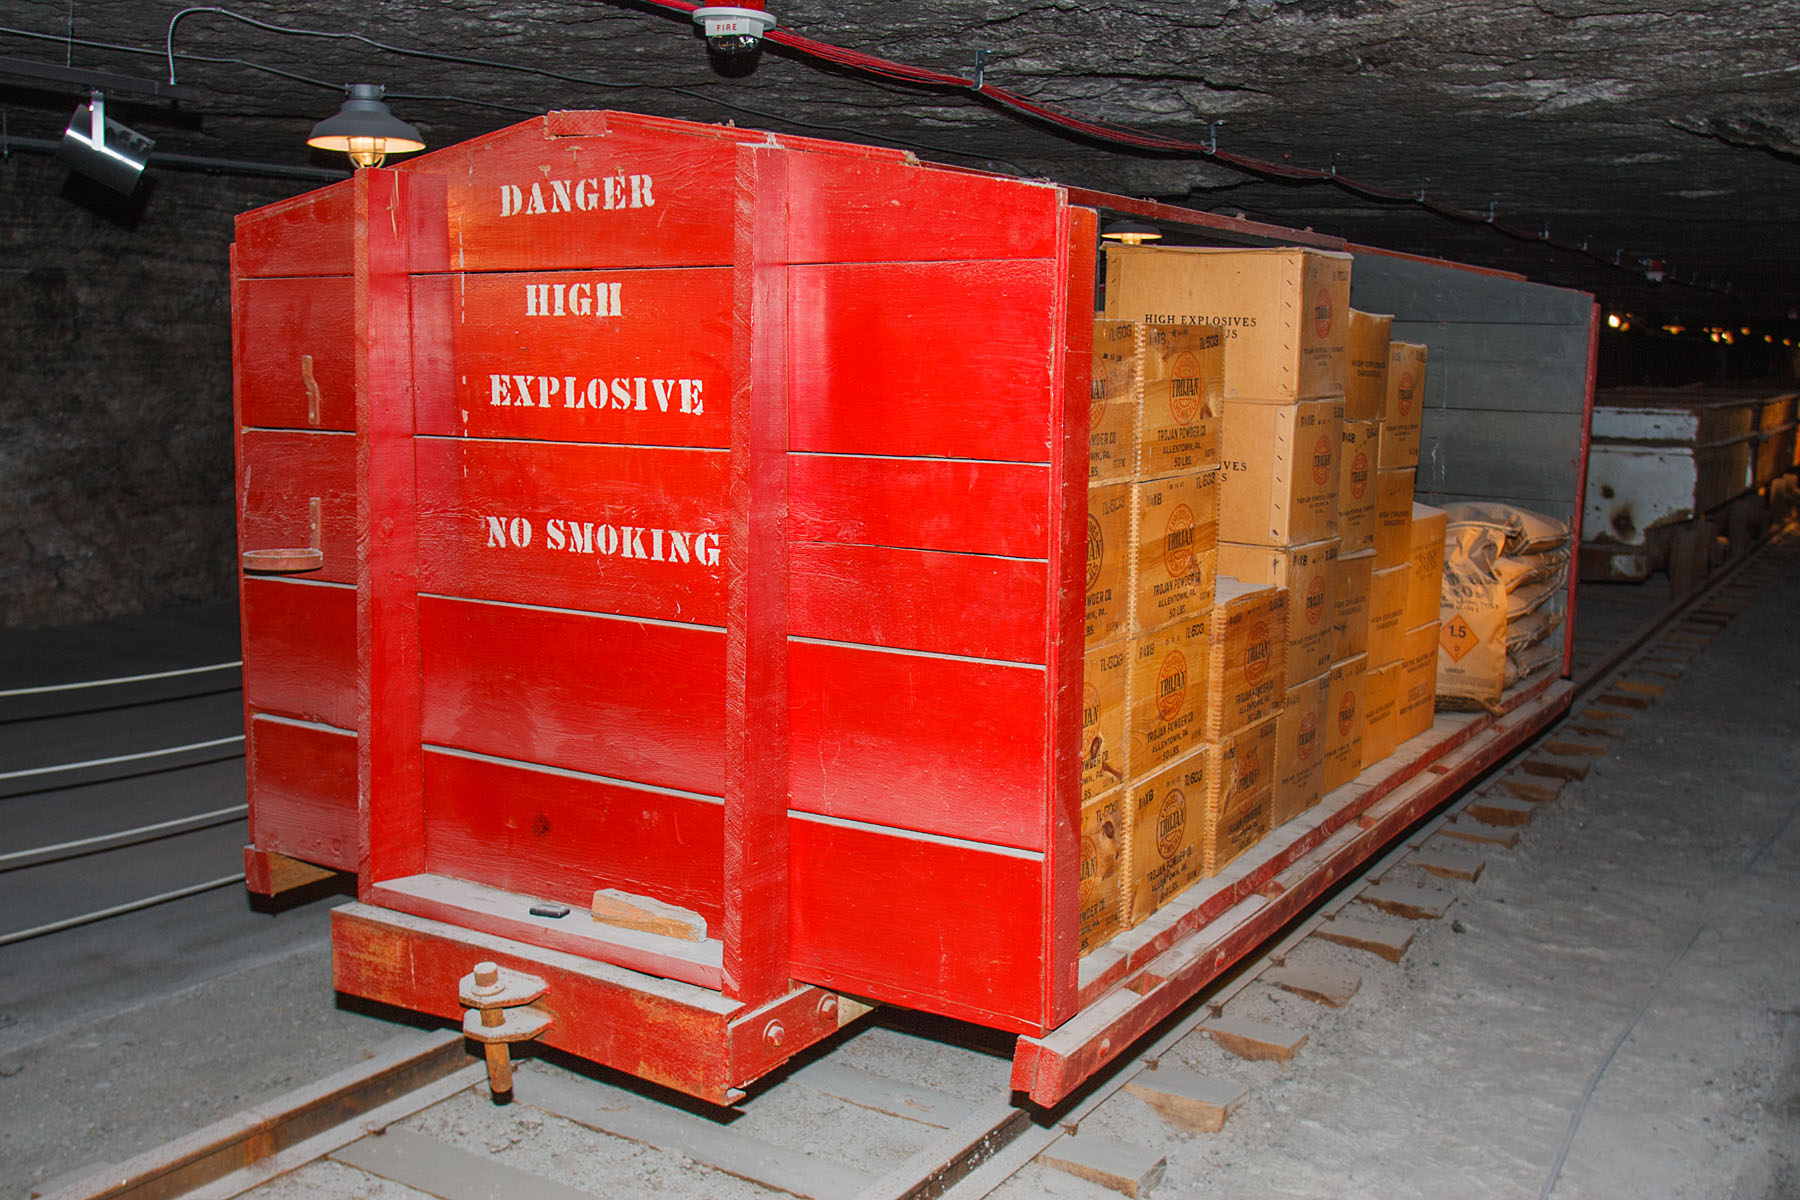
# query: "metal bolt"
{"type": "Point", "coordinates": [774, 1034]}
{"type": "Point", "coordinates": [827, 1006]}
{"type": "Point", "coordinates": [487, 974]}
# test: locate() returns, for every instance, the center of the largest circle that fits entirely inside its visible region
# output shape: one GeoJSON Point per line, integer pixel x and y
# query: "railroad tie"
{"type": "Point", "coordinates": [1471, 828]}
{"type": "Point", "coordinates": [1257, 1041]}
{"type": "Point", "coordinates": [1498, 810]}
{"type": "Point", "coordinates": [1446, 863]}
{"type": "Point", "coordinates": [1322, 985]}
{"type": "Point", "coordinates": [1384, 941]}
{"type": "Point", "coordinates": [1425, 904]}
{"type": "Point", "coordinates": [1188, 1100]}
{"type": "Point", "coordinates": [1123, 1167]}
{"type": "Point", "coordinates": [1532, 791]}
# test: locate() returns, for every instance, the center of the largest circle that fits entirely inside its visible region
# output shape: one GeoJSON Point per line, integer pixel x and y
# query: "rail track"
{"type": "Point", "coordinates": [900, 1105]}
{"type": "Point", "coordinates": [119, 793]}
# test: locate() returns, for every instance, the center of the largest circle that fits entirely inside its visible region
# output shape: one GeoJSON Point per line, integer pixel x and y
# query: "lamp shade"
{"type": "Point", "coordinates": [365, 128]}
{"type": "Point", "coordinates": [1132, 233]}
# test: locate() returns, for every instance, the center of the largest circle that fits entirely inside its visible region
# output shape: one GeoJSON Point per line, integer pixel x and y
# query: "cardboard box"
{"type": "Point", "coordinates": [1366, 378]}
{"type": "Point", "coordinates": [1240, 802]}
{"type": "Point", "coordinates": [1166, 844]}
{"type": "Point", "coordinates": [1183, 387]}
{"type": "Point", "coordinates": [1108, 562]}
{"type": "Point", "coordinates": [1415, 691]}
{"type": "Point", "coordinates": [1425, 583]}
{"type": "Point", "coordinates": [1247, 663]}
{"type": "Point", "coordinates": [1309, 573]}
{"type": "Point", "coordinates": [1387, 613]}
{"type": "Point", "coordinates": [1102, 887]}
{"type": "Point", "coordinates": [1405, 406]}
{"type": "Point", "coordinates": [1279, 471]}
{"type": "Point", "coordinates": [1380, 702]}
{"type": "Point", "coordinates": [1393, 517]}
{"type": "Point", "coordinates": [1300, 745]}
{"type": "Point", "coordinates": [1285, 311]}
{"type": "Point", "coordinates": [1104, 674]}
{"type": "Point", "coordinates": [1113, 402]}
{"type": "Point", "coordinates": [1344, 704]}
{"type": "Point", "coordinates": [1165, 710]}
{"type": "Point", "coordinates": [1174, 539]}
{"type": "Point", "coordinates": [1350, 605]}
{"type": "Point", "coordinates": [1361, 442]}
{"type": "Point", "coordinates": [1155, 392]}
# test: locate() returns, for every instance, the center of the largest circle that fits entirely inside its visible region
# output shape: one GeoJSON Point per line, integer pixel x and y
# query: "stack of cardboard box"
{"type": "Point", "coordinates": [1153, 510]}
{"type": "Point", "coordinates": [1283, 313]}
{"type": "Point", "coordinates": [1269, 627]}
{"type": "Point", "coordinates": [1405, 568]}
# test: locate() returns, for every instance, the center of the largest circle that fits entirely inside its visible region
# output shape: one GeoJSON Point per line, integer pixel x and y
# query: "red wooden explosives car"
{"type": "Point", "coordinates": [700, 513]}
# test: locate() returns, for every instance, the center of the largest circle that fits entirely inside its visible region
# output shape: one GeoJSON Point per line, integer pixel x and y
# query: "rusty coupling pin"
{"type": "Point", "coordinates": [495, 998]}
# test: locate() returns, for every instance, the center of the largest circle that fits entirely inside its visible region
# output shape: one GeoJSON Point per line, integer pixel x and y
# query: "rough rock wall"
{"type": "Point", "coordinates": [115, 411]}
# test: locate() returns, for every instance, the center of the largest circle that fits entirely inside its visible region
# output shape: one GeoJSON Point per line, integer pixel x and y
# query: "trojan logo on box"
{"type": "Point", "coordinates": [1256, 652]}
{"type": "Point", "coordinates": [1178, 542]}
{"type": "Point", "coordinates": [1171, 823]}
{"type": "Point", "coordinates": [1171, 685]}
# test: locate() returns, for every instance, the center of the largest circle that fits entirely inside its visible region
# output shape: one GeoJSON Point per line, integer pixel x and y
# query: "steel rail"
{"type": "Point", "coordinates": [138, 756]}
{"type": "Point", "coordinates": [20, 859]}
{"type": "Point", "coordinates": [100, 914]}
{"type": "Point", "coordinates": [47, 688]}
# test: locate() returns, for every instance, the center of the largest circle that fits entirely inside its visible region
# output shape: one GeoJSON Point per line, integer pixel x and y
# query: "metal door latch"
{"type": "Point", "coordinates": [495, 998]}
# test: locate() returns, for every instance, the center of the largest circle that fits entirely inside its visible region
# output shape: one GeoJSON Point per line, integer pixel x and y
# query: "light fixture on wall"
{"type": "Point", "coordinates": [100, 148]}
{"type": "Point", "coordinates": [365, 128]}
{"type": "Point", "coordinates": [1132, 233]}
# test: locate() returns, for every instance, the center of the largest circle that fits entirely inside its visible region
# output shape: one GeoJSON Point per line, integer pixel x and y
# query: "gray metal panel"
{"type": "Point", "coordinates": [1525, 368]}
{"type": "Point", "coordinates": [1526, 457]}
{"type": "Point", "coordinates": [1424, 291]}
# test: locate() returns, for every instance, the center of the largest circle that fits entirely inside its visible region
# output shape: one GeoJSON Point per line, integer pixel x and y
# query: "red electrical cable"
{"type": "Point", "coordinates": [1123, 136]}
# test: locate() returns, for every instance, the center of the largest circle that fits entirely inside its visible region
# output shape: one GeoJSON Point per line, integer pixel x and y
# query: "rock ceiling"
{"type": "Point", "coordinates": [1660, 134]}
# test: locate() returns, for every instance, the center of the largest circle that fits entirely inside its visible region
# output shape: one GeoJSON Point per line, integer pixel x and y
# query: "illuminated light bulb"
{"type": "Point", "coordinates": [1612, 319]}
{"type": "Point", "coordinates": [365, 129]}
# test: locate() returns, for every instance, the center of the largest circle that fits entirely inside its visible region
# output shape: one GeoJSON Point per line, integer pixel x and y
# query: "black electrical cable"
{"type": "Point", "coordinates": [496, 64]}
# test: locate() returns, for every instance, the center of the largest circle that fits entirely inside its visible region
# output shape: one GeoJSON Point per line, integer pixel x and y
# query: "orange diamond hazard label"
{"type": "Point", "coordinates": [1457, 638]}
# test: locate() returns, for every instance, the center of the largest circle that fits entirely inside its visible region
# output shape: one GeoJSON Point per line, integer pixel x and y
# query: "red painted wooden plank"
{"type": "Point", "coordinates": [917, 742]}
{"type": "Point", "coordinates": [310, 234]}
{"type": "Point", "coordinates": [920, 503]}
{"type": "Point", "coordinates": [297, 364]}
{"type": "Point", "coordinates": [883, 210]}
{"type": "Point", "coordinates": [302, 782]}
{"type": "Point", "coordinates": [616, 356]}
{"type": "Point", "coordinates": [282, 472]}
{"type": "Point", "coordinates": [967, 604]}
{"type": "Point", "coordinates": [757, 904]}
{"type": "Point", "coordinates": [605, 528]}
{"type": "Point", "coordinates": [628, 699]}
{"type": "Point", "coordinates": [666, 1032]}
{"type": "Point", "coordinates": [950, 928]}
{"type": "Point", "coordinates": [631, 195]}
{"type": "Point", "coordinates": [388, 767]}
{"type": "Point", "coordinates": [1065, 614]}
{"type": "Point", "coordinates": [300, 649]}
{"type": "Point", "coordinates": [560, 837]}
{"type": "Point", "coordinates": [944, 359]}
